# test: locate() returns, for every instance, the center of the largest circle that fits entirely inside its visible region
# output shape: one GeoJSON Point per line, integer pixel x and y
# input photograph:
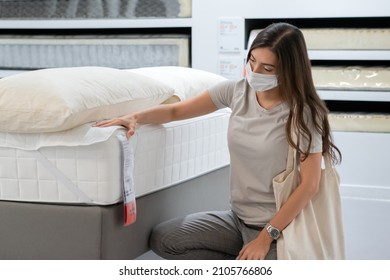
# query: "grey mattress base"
{"type": "Point", "coordinates": [56, 231]}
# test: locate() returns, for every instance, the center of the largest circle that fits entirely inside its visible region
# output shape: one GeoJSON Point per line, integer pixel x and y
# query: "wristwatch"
{"type": "Point", "coordinates": [273, 232]}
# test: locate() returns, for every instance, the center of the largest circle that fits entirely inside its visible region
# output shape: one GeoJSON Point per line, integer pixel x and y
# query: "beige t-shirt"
{"type": "Point", "coordinates": [258, 149]}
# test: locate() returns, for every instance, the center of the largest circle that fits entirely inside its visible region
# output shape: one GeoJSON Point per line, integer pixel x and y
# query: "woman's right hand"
{"type": "Point", "coordinates": [128, 122]}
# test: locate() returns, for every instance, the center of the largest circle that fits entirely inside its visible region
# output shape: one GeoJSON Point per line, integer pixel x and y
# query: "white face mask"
{"type": "Point", "coordinates": [260, 82]}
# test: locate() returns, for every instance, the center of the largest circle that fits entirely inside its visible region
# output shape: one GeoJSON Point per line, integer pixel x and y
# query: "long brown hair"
{"type": "Point", "coordinates": [297, 87]}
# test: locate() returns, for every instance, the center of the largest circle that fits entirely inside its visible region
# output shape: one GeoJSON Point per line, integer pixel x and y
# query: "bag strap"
{"type": "Point", "coordinates": [328, 165]}
{"type": "Point", "coordinates": [293, 155]}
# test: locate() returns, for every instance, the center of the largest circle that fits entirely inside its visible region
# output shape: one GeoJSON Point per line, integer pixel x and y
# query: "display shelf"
{"type": "Point", "coordinates": [354, 95]}
{"type": "Point", "coordinates": [54, 27]}
{"type": "Point", "coordinates": [377, 55]}
{"type": "Point", "coordinates": [95, 23]}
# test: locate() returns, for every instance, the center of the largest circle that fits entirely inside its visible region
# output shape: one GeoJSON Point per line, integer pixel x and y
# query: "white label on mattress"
{"type": "Point", "coordinates": [127, 167]}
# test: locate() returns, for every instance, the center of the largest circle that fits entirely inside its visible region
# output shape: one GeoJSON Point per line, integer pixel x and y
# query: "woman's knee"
{"type": "Point", "coordinates": [155, 240]}
{"type": "Point", "coordinates": [163, 238]}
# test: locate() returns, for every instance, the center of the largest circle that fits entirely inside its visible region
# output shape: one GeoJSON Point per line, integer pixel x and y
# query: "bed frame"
{"type": "Point", "coordinates": [58, 231]}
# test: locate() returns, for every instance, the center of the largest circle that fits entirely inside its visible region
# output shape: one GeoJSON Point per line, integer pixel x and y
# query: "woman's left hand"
{"type": "Point", "coordinates": [257, 249]}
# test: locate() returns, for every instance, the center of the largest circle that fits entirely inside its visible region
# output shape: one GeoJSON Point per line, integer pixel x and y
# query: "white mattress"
{"type": "Point", "coordinates": [360, 122]}
{"type": "Point", "coordinates": [347, 38]}
{"type": "Point", "coordinates": [342, 38]}
{"type": "Point", "coordinates": [352, 78]}
{"type": "Point", "coordinates": [123, 52]}
{"type": "Point", "coordinates": [90, 158]}
{"type": "Point", "coordinates": [22, 9]}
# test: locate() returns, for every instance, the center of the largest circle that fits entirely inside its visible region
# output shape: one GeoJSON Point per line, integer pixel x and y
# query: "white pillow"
{"type": "Point", "coordinates": [187, 82]}
{"type": "Point", "coordinates": [62, 98]}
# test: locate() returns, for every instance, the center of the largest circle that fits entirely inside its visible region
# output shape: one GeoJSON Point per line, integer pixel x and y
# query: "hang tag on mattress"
{"type": "Point", "coordinates": [128, 189]}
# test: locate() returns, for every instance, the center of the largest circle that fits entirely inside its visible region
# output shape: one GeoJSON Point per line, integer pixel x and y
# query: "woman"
{"type": "Point", "coordinates": [277, 95]}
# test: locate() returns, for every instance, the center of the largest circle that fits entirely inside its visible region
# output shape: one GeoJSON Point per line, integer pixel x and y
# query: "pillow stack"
{"type": "Point", "coordinates": [58, 99]}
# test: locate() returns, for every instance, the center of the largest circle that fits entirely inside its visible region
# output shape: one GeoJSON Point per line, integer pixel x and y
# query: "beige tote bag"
{"type": "Point", "coordinates": [317, 232]}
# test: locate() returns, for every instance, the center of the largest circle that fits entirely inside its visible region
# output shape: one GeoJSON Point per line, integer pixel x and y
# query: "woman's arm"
{"type": "Point", "coordinates": [310, 175]}
{"type": "Point", "coordinates": [193, 107]}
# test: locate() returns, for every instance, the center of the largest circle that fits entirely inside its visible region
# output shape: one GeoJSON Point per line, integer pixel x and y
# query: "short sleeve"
{"type": "Point", "coordinates": [316, 138]}
{"type": "Point", "coordinates": [222, 93]}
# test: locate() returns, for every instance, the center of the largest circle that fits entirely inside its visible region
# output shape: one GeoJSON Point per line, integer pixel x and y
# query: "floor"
{"type": "Point", "coordinates": [149, 256]}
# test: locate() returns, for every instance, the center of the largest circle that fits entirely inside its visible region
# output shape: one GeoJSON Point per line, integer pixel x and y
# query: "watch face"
{"type": "Point", "coordinates": [274, 233]}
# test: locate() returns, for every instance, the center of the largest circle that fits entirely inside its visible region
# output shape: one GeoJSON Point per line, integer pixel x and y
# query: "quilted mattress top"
{"type": "Point", "coordinates": [83, 165]}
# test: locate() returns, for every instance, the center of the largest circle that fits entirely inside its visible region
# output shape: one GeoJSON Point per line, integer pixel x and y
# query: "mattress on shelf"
{"type": "Point", "coordinates": [99, 9]}
{"type": "Point", "coordinates": [347, 38]}
{"type": "Point", "coordinates": [122, 51]}
{"type": "Point", "coordinates": [352, 78]}
{"type": "Point", "coordinates": [90, 158]}
{"type": "Point", "coordinates": [342, 38]}
{"type": "Point", "coordinates": [360, 122]}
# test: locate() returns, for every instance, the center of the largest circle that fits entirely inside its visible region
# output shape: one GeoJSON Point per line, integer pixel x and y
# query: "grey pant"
{"type": "Point", "coordinates": [204, 236]}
